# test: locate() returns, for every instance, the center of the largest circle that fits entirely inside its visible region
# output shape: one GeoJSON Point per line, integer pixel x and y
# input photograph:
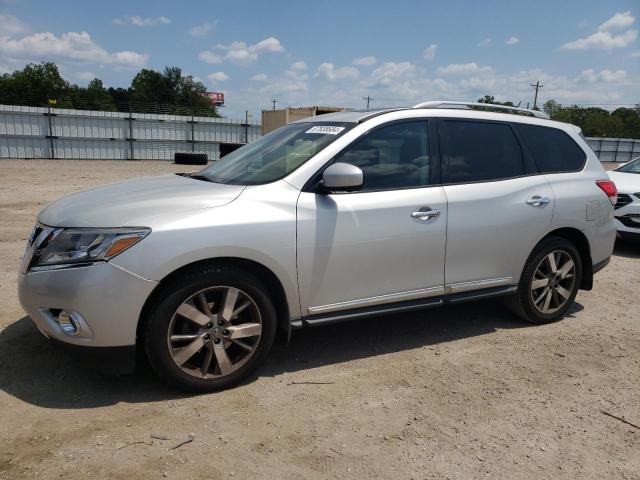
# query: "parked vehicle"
{"type": "Point", "coordinates": [627, 208]}
{"type": "Point", "coordinates": [332, 218]}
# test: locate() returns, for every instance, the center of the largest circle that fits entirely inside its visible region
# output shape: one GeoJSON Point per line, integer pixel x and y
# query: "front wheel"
{"type": "Point", "coordinates": [550, 281]}
{"type": "Point", "coordinates": [211, 330]}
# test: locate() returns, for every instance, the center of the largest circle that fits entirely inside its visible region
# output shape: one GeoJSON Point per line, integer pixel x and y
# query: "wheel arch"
{"type": "Point", "coordinates": [581, 242]}
{"type": "Point", "coordinates": [266, 275]}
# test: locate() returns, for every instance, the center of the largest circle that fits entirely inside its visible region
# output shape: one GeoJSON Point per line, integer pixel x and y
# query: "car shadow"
{"type": "Point", "coordinates": [627, 249]}
{"type": "Point", "coordinates": [41, 373]}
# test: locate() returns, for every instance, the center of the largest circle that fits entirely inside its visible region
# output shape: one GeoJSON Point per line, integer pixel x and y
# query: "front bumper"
{"type": "Point", "coordinates": [627, 216]}
{"type": "Point", "coordinates": [107, 298]}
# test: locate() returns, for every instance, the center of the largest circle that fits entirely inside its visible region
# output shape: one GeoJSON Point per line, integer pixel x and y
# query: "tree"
{"type": "Point", "coordinates": [35, 85]}
{"type": "Point", "coordinates": [150, 92]}
{"type": "Point", "coordinates": [94, 97]}
{"type": "Point", "coordinates": [150, 87]}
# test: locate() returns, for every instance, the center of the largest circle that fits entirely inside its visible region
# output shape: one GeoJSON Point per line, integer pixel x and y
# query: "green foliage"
{"type": "Point", "coordinates": [598, 122]}
{"type": "Point", "coordinates": [150, 92]}
{"type": "Point", "coordinates": [492, 99]}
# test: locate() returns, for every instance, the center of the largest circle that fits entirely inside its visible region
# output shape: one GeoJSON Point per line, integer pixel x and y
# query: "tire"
{"type": "Point", "coordinates": [172, 325]}
{"type": "Point", "coordinates": [558, 293]}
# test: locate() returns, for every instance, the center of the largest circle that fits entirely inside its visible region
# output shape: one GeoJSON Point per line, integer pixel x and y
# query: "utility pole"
{"type": "Point", "coordinates": [368, 99]}
{"type": "Point", "coordinates": [537, 86]}
{"type": "Point", "coordinates": [274, 101]}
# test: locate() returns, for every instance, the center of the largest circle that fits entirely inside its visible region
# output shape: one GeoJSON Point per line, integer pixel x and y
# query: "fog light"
{"type": "Point", "coordinates": [69, 323]}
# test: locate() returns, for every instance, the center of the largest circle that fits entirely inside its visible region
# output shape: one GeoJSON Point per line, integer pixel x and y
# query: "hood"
{"type": "Point", "coordinates": [625, 182]}
{"type": "Point", "coordinates": [136, 202]}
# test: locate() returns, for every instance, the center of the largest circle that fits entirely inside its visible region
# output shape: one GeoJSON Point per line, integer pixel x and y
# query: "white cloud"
{"type": "Point", "coordinates": [210, 57]}
{"type": "Point", "coordinates": [241, 53]}
{"type": "Point", "coordinates": [430, 52]}
{"type": "Point", "coordinates": [635, 54]}
{"type": "Point", "coordinates": [74, 46]}
{"type": "Point", "coordinates": [604, 39]}
{"type": "Point", "coordinates": [202, 30]}
{"type": "Point", "coordinates": [299, 66]}
{"type": "Point", "coordinates": [10, 26]}
{"type": "Point", "coordinates": [487, 42]}
{"type": "Point", "coordinates": [328, 71]}
{"type": "Point", "coordinates": [463, 69]}
{"type": "Point", "coordinates": [619, 21]}
{"type": "Point", "coordinates": [365, 61]}
{"type": "Point", "coordinates": [137, 21]}
{"type": "Point", "coordinates": [390, 73]}
{"type": "Point", "coordinates": [607, 76]}
{"type": "Point", "coordinates": [260, 77]}
{"type": "Point", "coordinates": [512, 40]}
{"type": "Point", "coordinates": [86, 76]}
{"type": "Point", "coordinates": [218, 77]}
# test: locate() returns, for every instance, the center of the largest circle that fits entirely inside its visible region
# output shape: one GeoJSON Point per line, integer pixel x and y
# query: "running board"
{"type": "Point", "coordinates": [407, 306]}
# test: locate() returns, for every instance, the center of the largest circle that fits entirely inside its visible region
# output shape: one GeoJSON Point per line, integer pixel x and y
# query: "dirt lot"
{"type": "Point", "coordinates": [460, 393]}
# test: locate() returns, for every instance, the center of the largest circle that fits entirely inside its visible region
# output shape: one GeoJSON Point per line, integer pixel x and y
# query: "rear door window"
{"type": "Point", "coordinates": [479, 151]}
{"type": "Point", "coordinates": [552, 149]}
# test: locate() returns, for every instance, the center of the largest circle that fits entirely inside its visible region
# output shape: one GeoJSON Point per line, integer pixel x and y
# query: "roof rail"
{"type": "Point", "coordinates": [488, 106]}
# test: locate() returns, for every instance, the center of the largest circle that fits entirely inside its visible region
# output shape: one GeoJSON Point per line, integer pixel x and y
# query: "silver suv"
{"type": "Point", "coordinates": [342, 216]}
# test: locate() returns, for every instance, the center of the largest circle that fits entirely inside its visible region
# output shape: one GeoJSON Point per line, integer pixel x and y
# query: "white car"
{"type": "Point", "coordinates": [341, 216]}
{"type": "Point", "coordinates": [627, 208]}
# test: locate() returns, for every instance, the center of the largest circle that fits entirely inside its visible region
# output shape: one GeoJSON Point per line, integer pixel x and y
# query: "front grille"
{"type": "Point", "coordinates": [630, 221]}
{"type": "Point", "coordinates": [623, 200]}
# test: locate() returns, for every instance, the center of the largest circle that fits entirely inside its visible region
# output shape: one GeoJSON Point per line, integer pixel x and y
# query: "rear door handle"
{"type": "Point", "coordinates": [425, 213]}
{"type": "Point", "coordinates": [538, 201]}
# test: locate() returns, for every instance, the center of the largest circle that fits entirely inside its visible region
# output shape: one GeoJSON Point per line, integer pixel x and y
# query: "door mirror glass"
{"type": "Point", "coordinates": [342, 177]}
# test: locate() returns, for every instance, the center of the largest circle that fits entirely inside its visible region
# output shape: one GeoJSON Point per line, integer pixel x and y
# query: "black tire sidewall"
{"type": "Point", "coordinates": [529, 311]}
{"type": "Point", "coordinates": [176, 292]}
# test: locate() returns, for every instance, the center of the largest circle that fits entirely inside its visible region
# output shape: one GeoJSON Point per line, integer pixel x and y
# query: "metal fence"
{"type": "Point", "coordinates": [617, 150]}
{"type": "Point", "coordinates": [40, 132]}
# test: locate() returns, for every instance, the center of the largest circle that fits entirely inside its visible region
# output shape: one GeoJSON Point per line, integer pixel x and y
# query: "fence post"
{"type": "Point", "coordinates": [193, 123]}
{"type": "Point", "coordinates": [52, 149]}
{"type": "Point", "coordinates": [131, 151]}
{"type": "Point", "coordinates": [246, 126]}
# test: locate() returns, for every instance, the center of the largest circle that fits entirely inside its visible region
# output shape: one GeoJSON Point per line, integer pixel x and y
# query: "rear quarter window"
{"type": "Point", "coordinates": [552, 150]}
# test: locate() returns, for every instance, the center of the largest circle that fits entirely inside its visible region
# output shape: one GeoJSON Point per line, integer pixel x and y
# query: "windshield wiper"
{"type": "Point", "coordinates": [200, 177]}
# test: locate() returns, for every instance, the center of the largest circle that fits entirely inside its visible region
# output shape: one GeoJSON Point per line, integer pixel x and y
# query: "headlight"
{"type": "Point", "coordinates": [66, 246]}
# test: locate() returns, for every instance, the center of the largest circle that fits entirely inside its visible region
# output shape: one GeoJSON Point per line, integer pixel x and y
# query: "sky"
{"type": "Point", "coordinates": [334, 53]}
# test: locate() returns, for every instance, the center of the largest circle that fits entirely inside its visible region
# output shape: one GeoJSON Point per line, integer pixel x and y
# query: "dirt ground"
{"type": "Point", "coordinates": [455, 393]}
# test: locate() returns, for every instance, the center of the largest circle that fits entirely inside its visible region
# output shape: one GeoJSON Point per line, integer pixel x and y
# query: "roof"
{"type": "Point", "coordinates": [347, 116]}
{"type": "Point", "coordinates": [359, 116]}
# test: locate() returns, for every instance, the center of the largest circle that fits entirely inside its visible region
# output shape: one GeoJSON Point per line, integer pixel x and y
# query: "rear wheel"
{"type": "Point", "coordinates": [550, 281]}
{"type": "Point", "coordinates": [211, 330]}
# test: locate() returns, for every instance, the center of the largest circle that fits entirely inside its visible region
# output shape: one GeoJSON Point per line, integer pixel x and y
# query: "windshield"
{"type": "Point", "coordinates": [275, 155]}
{"type": "Point", "coordinates": [632, 167]}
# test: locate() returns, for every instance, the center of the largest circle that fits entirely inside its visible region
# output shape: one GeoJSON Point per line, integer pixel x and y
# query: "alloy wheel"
{"type": "Point", "coordinates": [214, 332]}
{"type": "Point", "coordinates": [553, 282]}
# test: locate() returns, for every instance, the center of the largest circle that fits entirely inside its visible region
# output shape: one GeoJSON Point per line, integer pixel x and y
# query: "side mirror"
{"type": "Point", "coordinates": [342, 177]}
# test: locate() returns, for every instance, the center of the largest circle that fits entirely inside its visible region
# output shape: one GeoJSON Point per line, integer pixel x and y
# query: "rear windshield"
{"type": "Point", "coordinates": [275, 155]}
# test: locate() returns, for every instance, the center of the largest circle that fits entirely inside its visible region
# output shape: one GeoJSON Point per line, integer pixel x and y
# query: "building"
{"type": "Point", "coordinates": [273, 119]}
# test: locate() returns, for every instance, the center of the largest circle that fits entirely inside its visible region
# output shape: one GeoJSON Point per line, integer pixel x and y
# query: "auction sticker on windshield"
{"type": "Point", "coordinates": [325, 130]}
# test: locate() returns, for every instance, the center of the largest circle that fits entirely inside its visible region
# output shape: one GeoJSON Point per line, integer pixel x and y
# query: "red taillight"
{"type": "Point", "coordinates": [610, 190]}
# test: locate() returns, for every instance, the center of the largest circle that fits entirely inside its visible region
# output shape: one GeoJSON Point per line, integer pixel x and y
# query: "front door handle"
{"type": "Point", "coordinates": [425, 213]}
{"type": "Point", "coordinates": [538, 201]}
